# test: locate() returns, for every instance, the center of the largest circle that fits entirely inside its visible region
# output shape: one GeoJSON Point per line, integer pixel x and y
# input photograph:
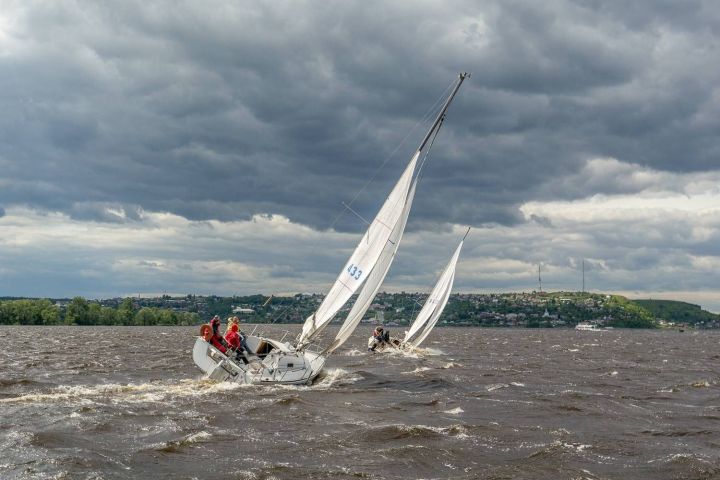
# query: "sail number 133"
{"type": "Point", "coordinates": [354, 272]}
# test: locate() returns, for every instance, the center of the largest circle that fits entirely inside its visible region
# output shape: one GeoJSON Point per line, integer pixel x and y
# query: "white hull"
{"type": "Point", "coordinates": [272, 362]}
{"type": "Point", "coordinates": [588, 327]}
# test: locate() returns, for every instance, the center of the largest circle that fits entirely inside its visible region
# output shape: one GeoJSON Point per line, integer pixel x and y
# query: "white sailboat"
{"type": "Point", "coordinates": [275, 361]}
{"type": "Point", "coordinates": [429, 314]}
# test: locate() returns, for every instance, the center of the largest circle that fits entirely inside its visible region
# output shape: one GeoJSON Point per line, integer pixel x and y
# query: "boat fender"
{"type": "Point", "coordinates": [206, 332]}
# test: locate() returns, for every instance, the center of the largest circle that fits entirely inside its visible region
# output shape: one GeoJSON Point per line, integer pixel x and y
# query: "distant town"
{"type": "Point", "coordinates": [529, 310]}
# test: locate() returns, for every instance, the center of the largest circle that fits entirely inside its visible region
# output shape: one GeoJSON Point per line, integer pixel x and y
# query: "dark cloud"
{"type": "Point", "coordinates": [223, 111]}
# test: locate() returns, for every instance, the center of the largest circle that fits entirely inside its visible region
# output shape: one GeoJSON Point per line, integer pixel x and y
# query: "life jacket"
{"type": "Point", "coordinates": [218, 342]}
{"type": "Point", "coordinates": [233, 339]}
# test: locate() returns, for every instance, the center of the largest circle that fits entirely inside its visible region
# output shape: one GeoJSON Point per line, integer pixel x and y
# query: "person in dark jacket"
{"type": "Point", "coordinates": [380, 337]}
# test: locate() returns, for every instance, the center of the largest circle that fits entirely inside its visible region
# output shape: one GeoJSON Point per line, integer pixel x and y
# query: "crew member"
{"type": "Point", "coordinates": [217, 340]}
{"type": "Point", "coordinates": [232, 338]}
{"type": "Point", "coordinates": [378, 338]}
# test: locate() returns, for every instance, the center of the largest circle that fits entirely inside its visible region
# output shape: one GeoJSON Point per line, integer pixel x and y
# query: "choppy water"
{"type": "Point", "coordinates": [124, 402]}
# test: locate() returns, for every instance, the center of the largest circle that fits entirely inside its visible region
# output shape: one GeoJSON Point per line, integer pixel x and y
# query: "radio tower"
{"type": "Point", "coordinates": [583, 275]}
{"type": "Point", "coordinates": [539, 278]}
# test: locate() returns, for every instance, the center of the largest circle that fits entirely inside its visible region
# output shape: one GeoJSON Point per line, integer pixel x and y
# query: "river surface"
{"type": "Point", "coordinates": [128, 402]}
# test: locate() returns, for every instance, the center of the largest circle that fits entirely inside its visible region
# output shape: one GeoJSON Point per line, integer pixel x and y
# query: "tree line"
{"type": "Point", "coordinates": [83, 312]}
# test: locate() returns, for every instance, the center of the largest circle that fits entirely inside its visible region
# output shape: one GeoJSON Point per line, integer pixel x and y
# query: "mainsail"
{"type": "Point", "coordinates": [364, 261]}
{"type": "Point", "coordinates": [376, 278]}
{"type": "Point", "coordinates": [364, 258]}
{"type": "Point", "coordinates": [435, 304]}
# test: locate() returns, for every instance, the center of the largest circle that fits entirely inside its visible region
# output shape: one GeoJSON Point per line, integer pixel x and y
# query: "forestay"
{"type": "Point", "coordinates": [376, 277]}
{"type": "Point", "coordinates": [435, 304]}
{"type": "Point", "coordinates": [364, 258]}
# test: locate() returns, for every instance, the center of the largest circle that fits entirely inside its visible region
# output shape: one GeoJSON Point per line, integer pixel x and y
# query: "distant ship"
{"type": "Point", "coordinates": [587, 326]}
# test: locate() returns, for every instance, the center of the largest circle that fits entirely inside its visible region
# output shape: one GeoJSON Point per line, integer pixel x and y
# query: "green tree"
{"type": "Point", "coordinates": [126, 312]}
{"type": "Point", "coordinates": [77, 312]}
{"type": "Point", "coordinates": [145, 316]}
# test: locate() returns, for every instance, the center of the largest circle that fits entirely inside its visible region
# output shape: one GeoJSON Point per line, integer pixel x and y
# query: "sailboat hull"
{"type": "Point", "coordinates": [271, 362]}
{"type": "Point", "coordinates": [394, 345]}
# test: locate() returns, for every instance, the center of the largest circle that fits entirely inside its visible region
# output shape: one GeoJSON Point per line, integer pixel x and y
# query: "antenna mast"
{"type": "Point", "coordinates": [583, 276]}
{"type": "Point", "coordinates": [539, 278]}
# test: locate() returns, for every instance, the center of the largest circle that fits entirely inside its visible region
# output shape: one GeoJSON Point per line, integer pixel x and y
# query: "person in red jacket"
{"type": "Point", "coordinates": [236, 342]}
{"type": "Point", "coordinates": [217, 340]}
{"type": "Point", "coordinates": [233, 338]}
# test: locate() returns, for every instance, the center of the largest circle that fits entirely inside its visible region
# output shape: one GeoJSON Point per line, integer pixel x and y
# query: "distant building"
{"type": "Point", "coordinates": [242, 310]}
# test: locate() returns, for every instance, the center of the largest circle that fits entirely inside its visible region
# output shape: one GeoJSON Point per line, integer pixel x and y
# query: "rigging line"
{"type": "Point", "coordinates": [428, 115]}
{"type": "Point", "coordinates": [356, 214]}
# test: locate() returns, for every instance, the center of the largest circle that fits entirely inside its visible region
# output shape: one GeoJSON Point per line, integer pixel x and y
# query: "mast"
{"type": "Point", "coordinates": [441, 115]}
{"type": "Point", "coordinates": [583, 276]}
{"type": "Point", "coordinates": [367, 254]}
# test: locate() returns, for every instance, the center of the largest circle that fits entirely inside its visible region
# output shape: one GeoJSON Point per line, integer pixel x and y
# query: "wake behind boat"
{"type": "Point", "coordinates": [266, 360]}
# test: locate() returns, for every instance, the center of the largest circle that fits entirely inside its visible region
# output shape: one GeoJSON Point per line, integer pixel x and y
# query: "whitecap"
{"type": "Point", "coordinates": [454, 411]}
{"type": "Point", "coordinates": [450, 365]}
{"type": "Point", "coordinates": [354, 353]}
{"type": "Point", "coordinates": [334, 376]}
{"type": "Point", "coordinates": [418, 370]}
{"type": "Point", "coordinates": [496, 386]}
{"type": "Point", "coordinates": [701, 384]}
{"type": "Point", "coordinates": [432, 351]}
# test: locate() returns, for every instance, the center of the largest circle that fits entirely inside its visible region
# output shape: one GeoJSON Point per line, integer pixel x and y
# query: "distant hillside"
{"type": "Point", "coordinates": [678, 312]}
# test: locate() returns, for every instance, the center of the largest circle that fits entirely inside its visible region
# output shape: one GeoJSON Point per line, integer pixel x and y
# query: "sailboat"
{"type": "Point", "coordinates": [275, 361]}
{"type": "Point", "coordinates": [429, 314]}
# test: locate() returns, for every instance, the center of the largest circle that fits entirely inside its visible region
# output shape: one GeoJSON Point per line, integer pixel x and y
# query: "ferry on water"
{"type": "Point", "coordinates": [587, 326]}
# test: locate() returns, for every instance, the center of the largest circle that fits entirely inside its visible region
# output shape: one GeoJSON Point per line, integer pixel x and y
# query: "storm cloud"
{"type": "Point", "coordinates": [116, 114]}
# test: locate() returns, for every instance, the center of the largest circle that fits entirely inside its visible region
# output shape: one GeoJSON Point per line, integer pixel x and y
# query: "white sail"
{"type": "Point", "coordinates": [376, 278]}
{"type": "Point", "coordinates": [435, 304]}
{"type": "Point", "coordinates": [364, 258]}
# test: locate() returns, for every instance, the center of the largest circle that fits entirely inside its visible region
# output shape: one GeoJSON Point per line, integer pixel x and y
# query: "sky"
{"type": "Point", "coordinates": [151, 147]}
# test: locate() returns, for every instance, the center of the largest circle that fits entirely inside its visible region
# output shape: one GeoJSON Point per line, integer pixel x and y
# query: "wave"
{"type": "Point", "coordinates": [678, 433]}
{"type": "Point", "coordinates": [334, 377]}
{"type": "Point", "coordinates": [701, 384]}
{"type": "Point", "coordinates": [131, 393]}
{"type": "Point", "coordinates": [400, 432]}
{"type": "Point", "coordinates": [432, 351]}
{"type": "Point", "coordinates": [496, 386]}
{"type": "Point", "coordinates": [450, 365]}
{"type": "Point", "coordinates": [418, 370]}
{"type": "Point", "coordinates": [176, 445]}
{"type": "Point", "coordinates": [691, 459]}
{"type": "Point", "coordinates": [10, 382]}
{"type": "Point", "coordinates": [454, 411]}
{"type": "Point", "coordinates": [354, 353]}
{"type": "Point", "coordinates": [559, 447]}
